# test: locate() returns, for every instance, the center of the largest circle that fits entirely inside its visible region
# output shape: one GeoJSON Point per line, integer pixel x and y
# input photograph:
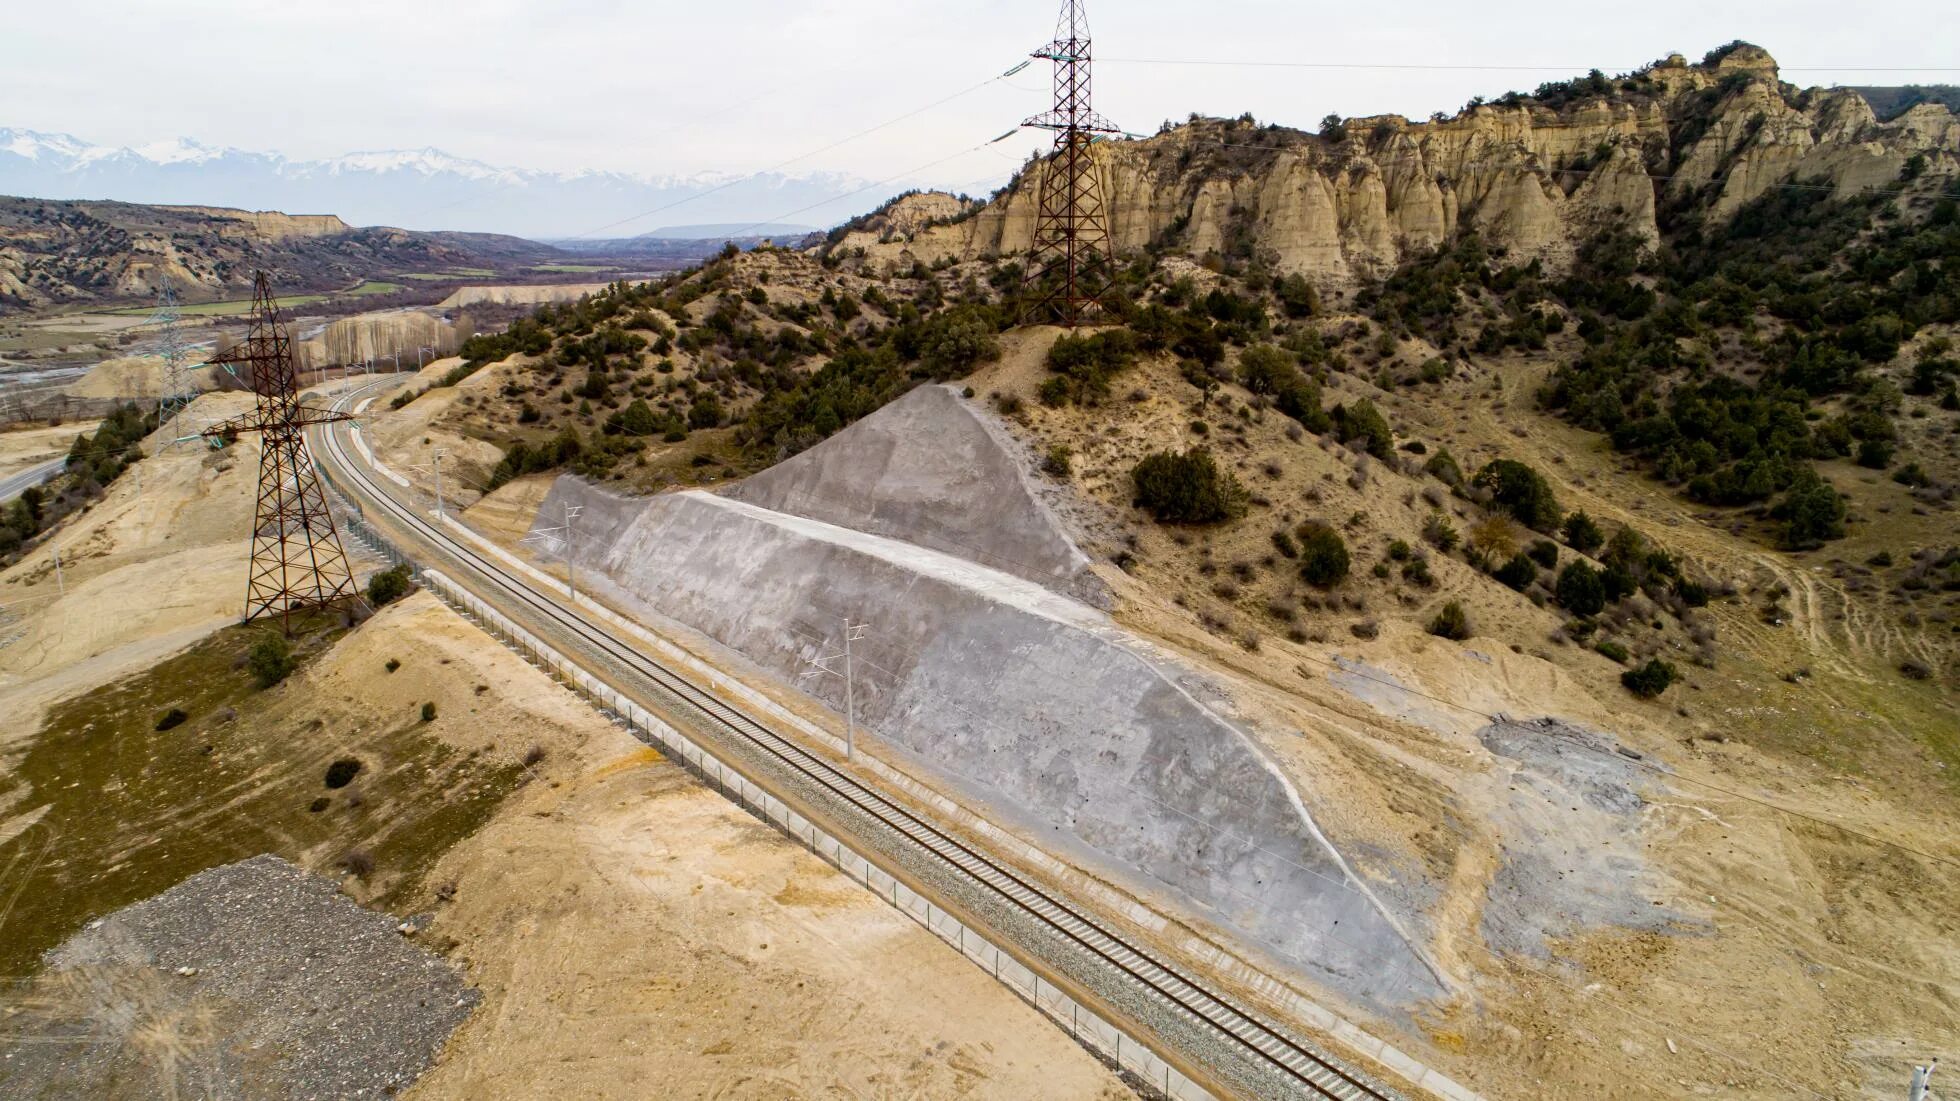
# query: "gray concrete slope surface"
{"type": "Point", "coordinates": [1032, 703]}
{"type": "Point", "coordinates": [926, 469]}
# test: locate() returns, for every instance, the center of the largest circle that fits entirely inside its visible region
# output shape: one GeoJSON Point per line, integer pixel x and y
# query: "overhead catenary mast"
{"type": "Point", "coordinates": [1069, 261]}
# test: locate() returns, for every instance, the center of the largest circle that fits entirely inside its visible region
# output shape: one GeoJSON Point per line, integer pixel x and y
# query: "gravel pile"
{"type": "Point", "coordinates": [256, 979]}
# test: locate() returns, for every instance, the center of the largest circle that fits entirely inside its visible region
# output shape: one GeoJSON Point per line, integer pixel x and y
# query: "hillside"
{"type": "Point", "coordinates": [1787, 444]}
{"type": "Point", "coordinates": [56, 253]}
{"type": "Point", "coordinates": [1535, 176]}
{"type": "Point", "coordinates": [1496, 577]}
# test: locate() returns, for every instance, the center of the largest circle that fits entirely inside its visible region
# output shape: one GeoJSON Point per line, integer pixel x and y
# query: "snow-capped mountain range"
{"type": "Point", "coordinates": [414, 188]}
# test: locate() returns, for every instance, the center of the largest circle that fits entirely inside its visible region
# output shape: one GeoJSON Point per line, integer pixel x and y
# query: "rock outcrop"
{"type": "Point", "coordinates": [1534, 181]}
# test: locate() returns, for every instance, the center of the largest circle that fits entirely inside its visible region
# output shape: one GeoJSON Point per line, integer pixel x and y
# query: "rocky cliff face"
{"type": "Point", "coordinates": [1536, 177]}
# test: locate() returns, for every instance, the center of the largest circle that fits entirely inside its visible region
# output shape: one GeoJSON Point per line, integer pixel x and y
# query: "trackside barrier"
{"type": "Point", "coordinates": [1090, 1029]}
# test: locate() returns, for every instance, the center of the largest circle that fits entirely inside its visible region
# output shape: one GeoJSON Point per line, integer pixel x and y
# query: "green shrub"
{"type": "Point", "coordinates": [270, 660]}
{"type": "Point", "coordinates": [388, 586]}
{"type": "Point", "coordinates": [1521, 491]}
{"type": "Point", "coordinates": [1084, 365]}
{"type": "Point", "coordinates": [1323, 556]}
{"type": "Point", "coordinates": [1265, 369]}
{"type": "Point", "coordinates": [1580, 590]}
{"type": "Point", "coordinates": [1440, 533]}
{"type": "Point", "coordinates": [342, 772]}
{"type": "Point", "coordinates": [1297, 297]}
{"type": "Point", "coordinates": [1059, 461]}
{"type": "Point", "coordinates": [1614, 650]}
{"type": "Point", "coordinates": [1187, 488]}
{"type": "Point", "coordinates": [1363, 423]}
{"type": "Point", "coordinates": [1649, 680]}
{"type": "Point", "coordinates": [1443, 467]}
{"type": "Point", "coordinates": [1284, 544]}
{"type": "Point", "coordinates": [1582, 534]}
{"type": "Point", "coordinates": [1812, 512]}
{"type": "Point", "coordinates": [1451, 623]}
{"type": "Point", "coordinates": [429, 712]}
{"type": "Point", "coordinates": [393, 664]}
{"type": "Point", "coordinates": [1518, 573]}
{"type": "Point", "coordinates": [1544, 552]}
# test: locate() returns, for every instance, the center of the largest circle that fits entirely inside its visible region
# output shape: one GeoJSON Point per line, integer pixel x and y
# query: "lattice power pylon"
{"type": "Point", "coordinates": [297, 560]}
{"type": "Point", "coordinates": [1070, 259]}
{"type": "Point", "coordinates": [176, 392]}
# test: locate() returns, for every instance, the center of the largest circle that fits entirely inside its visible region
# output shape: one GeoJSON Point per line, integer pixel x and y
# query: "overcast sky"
{"type": "Point", "coordinates": [656, 86]}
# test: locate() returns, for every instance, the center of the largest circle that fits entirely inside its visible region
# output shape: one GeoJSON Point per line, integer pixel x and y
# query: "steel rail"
{"type": "Point", "coordinates": [1157, 980]}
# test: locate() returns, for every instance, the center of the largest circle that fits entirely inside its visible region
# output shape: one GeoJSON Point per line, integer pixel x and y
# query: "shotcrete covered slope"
{"type": "Point", "coordinates": [1033, 703]}
{"type": "Point", "coordinates": [926, 470]}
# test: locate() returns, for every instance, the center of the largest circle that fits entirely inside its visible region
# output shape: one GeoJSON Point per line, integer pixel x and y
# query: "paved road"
{"type": "Point", "coordinates": [14, 485]}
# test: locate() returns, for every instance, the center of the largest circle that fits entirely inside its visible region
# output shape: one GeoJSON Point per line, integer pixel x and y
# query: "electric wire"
{"type": "Point", "coordinates": [1397, 66]}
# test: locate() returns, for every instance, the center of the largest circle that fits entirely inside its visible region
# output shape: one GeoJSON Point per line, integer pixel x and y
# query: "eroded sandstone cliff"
{"type": "Point", "coordinates": [1535, 180]}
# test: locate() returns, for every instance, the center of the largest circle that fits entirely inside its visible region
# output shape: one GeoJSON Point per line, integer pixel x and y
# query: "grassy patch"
{"type": "Point", "coordinates": [447, 276]}
{"type": "Point", "coordinates": [227, 309]}
{"type": "Point", "coordinates": [132, 810]}
{"type": "Point", "coordinates": [374, 286]}
{"type": "Point", "coordinates": [571, 267]}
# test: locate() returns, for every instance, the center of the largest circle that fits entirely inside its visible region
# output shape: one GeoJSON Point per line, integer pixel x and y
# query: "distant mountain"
{"type": "Point", "coordinates": [415, 189]}
{"type": "Point", "coordinates": [54, 253]}
{"type": "Point", "coordinates": [728, 230]}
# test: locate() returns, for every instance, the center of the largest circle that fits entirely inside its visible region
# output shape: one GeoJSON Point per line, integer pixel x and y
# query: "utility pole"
{"type": "Point", "coordinates": [1069, 261]}
{"type": "Point", "coordinates": [571, 560]}
{"type": "Point", "coordinates": [1922, 1080]}
{"type": "Point", "coordinates": [439, 454]}
{"type": "Point", "coordinates": [567, 536]}
{"type": "Point", "coordinates": [819, 665]}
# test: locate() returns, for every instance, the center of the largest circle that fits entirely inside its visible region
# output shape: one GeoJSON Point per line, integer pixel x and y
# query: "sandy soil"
{"type": "Point", "coordinates": [610, 893]}
{"type": "Point", "coordinates": [635, 935]}
{"type": "Point", "coordinates": [1388, 756]}
{"type": "Point", "coordinates": [30, 447]}
{"type": "Point", "coordinates": [406, 439]}
{"type": "Point", "coordinates": [143, 573]}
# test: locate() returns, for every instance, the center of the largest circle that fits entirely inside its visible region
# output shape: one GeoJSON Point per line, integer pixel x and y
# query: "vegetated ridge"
{"type": "Point", "coordinates": [1782, 360]}
{"type": "Point", "coordinates": [52, 253]}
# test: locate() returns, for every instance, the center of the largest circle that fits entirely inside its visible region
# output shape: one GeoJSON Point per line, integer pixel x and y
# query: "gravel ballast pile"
{"type": "Point", "coordinates": [256, 979]}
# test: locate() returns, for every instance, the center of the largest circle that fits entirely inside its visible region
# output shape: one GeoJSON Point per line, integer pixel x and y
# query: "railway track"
{"type": "Point", "coordinates": [1316, 1075]}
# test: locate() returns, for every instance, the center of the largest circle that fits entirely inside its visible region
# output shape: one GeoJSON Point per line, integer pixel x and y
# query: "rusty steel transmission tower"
{"type": "Point", "coordinates": [297, 560]}
{"type": "Point", "coordinates": [1069, 261]}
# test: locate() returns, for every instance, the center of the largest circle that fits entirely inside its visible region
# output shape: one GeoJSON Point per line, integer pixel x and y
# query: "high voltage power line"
{"type": "Point", "coordinates": [1576, 70]}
